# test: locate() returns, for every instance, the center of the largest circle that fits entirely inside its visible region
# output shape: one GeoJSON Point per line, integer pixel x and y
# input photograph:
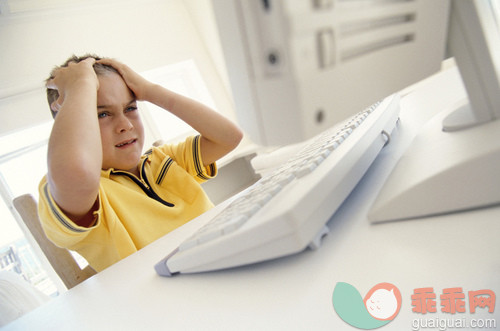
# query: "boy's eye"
{"type": "Point", "coordinates": [102, 115]}
{"type": "Point", "coordinates": [131, 108]}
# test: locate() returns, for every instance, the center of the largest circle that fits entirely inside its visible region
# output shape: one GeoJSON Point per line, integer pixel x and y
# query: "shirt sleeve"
{"type": "Point", "coordinates": [187, 154]}
{"type": "Point", "coordinates": [59, 228]}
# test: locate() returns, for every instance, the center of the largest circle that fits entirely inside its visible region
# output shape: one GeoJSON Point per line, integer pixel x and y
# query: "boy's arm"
{"type": "Point", "coordinates": [219, 136]}
{"type": "Point", "coordinates": [74, 154]}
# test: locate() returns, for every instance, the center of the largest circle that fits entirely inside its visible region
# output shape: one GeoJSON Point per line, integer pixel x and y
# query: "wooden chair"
{"type": "Point", "coordinates": [61, 259]}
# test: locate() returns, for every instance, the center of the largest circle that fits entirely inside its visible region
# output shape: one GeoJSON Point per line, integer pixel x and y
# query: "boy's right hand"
{"type": "Point", "coordinates": [65, 78]}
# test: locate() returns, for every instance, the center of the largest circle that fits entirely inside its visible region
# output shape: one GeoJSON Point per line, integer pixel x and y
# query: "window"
{"type": "Point", "coordinates": [22, 165]}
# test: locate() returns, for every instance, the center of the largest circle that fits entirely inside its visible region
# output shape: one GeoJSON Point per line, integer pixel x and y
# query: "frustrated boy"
{"type": "Point", "coordinates": [101, 196]}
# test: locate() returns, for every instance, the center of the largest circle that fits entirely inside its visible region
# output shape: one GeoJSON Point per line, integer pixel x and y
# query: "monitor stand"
{"type": "Point", "coordinates": [443, 172]}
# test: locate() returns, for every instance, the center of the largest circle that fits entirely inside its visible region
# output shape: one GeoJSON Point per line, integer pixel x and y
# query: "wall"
{"type": "Point", "coordinates": [144, 34]}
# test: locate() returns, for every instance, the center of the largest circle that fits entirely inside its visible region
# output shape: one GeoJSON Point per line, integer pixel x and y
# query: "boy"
{"type": "Point", "coordinates": [101, 197]}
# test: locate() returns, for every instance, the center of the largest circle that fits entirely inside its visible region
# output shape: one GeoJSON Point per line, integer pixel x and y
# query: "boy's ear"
{"type": "Point", "coordinates": [55, 106]}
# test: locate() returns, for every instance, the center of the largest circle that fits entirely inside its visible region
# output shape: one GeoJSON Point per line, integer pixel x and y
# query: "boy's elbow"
{"type": "Point", "coordinates": [237, 137]}
{"type": "Point", "coordinates": [213, 150]}
{"type": "Point", "coordinates": [234, 139]}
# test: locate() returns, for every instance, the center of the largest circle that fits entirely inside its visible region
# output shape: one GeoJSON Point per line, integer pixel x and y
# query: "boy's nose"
{"type": "Point", "coordinates": [124, 124]}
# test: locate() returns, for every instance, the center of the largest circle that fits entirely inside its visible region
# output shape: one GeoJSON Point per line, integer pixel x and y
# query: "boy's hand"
{"type": "Point", "coordinates": [66, 78]}
{"type": "Point", "coordinates": [136, 83]}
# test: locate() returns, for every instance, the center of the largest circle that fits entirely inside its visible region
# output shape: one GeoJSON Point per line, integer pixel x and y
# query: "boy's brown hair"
{"type": "Point", "coordinates": [99, 69]}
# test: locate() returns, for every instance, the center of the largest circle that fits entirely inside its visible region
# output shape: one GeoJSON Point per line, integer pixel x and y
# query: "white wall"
{"type": "Point", "coordinates": [144, 34]}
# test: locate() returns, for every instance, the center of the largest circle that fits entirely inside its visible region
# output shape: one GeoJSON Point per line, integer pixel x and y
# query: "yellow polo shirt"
{"type": "Point", "coordinates": [133, 211]}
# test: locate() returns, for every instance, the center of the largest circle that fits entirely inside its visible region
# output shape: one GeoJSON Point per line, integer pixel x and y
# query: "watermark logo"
{"type": "Point", "coordinates": [379, 306]}
{"type": "Point", "coordinates": [454, 304]}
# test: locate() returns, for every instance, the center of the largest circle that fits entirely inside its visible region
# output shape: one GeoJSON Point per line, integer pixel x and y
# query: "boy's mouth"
{"type": "Point", "coordinates": [126, 143]}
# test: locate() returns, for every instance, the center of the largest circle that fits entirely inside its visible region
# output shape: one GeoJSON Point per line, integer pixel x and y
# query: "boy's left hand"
{"type": "Point", "coordinates": [138, 84]}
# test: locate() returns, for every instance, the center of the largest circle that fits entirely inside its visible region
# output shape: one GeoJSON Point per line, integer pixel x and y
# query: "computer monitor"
{"type": "Point", "coordinates": [474, 41]}
{"type": "Point", "coordinates": [453, 164]}
{"type": "Point", "coordinates": [297, 67]}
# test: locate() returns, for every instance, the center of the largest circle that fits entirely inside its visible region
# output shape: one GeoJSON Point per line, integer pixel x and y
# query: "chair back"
{"type": "Point", "coordinates": [61, 259]}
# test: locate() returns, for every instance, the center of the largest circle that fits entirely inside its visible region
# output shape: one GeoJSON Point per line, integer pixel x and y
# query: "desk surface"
{"type": "Point", "coordinates": [295, 293]}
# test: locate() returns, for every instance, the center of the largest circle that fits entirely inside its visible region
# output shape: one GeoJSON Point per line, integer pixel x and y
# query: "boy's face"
{"type": "Point", "coordinates": [122, 132]}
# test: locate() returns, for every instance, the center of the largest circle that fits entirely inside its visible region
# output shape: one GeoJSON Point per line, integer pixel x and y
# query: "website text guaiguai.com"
{"type": "Point", "coordinates": [444, 324]}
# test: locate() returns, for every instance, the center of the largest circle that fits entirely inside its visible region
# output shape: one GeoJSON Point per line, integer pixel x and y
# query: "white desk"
{"type": "Point", "coordinates": [295, 293]}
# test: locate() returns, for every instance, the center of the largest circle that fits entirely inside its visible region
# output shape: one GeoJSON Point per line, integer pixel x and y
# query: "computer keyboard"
{"type": "Point", "coordinates": [286, 211]}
